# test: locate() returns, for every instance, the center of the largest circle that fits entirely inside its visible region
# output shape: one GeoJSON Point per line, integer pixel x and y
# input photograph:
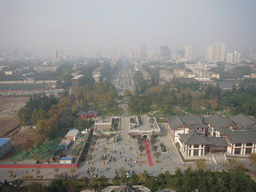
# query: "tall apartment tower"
{"type": "Point", "coordinates": [252, 53]}
{"type": "Point", "coordinates": [142, 51]}
{"type": "Point", "coordinates": [165, 53]}
{"type": "Point", "coordinates": [219, 51]}
{"type": "Point", "coordinates": [216, 52]}
{"type": "Point", "coordinates": [229, 58]}
{"type": "Point", "coordinates": [237, 57]}
{"type": "Point", "coordinates": [188, 52]}
{"type": "Point", "coordinates": [132, 54]}
{"type": "Point", "coordinates": [97, 55]}
{"type": "Point", "coordinates": [209, 53]}
{"type": "Point", "coordinates": [57, 55]}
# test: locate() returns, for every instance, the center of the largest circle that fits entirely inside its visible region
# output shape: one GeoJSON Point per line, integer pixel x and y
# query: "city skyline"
{"type": "Point", "coordinates": [84, 27]}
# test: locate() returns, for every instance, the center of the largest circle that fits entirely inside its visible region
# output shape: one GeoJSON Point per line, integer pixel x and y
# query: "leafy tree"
{"type": "Point", "coordinates": [240, 167]}
{"type": "Point", "coordinates": [102, 181]}
{"type": "Point", "coordinates": [127, 92]}
{"type": "Point", "coordinates": [252, 157]}
{"type": "Point", "coordinates": [28, 144]}
{"type": "Point", "coordinates": [24, 116]}
{"type": "Point", "coordinates": [154, 148]}
{"type": "Point", "coordinates": [124, 179]}
{"type": "Point", "coordinates": [134, 179]}
{"type": "Point", "coordinates": [38, 187]}
{"type": "Point", "coordinates": [157, 155]}
{"type": "Point", "coordinates": [57, 185]}
{"type": "Point", "coordinates": [116, 181]}
{"type": "Point", "coordinates": [141, 148]}
{"type": "Point", "coordinates": [153, 140]}
{"type": "Point", "coordinates": [94, 183]}
{"type": "Point", "coordinates": [240, 71]}
{"type": "Point", "coordinates": [200, 164]}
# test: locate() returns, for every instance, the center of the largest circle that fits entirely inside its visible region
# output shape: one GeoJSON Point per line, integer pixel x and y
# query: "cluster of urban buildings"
{"type": "Point", "coordinates": [213, 53]}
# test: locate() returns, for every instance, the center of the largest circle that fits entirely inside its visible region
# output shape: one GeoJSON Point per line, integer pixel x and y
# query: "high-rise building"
{"type": "Point", "coordinates": [229, 58]}
{"type": "Point", "coordinates": [97, 55]}
{"type": "Point", "coordinates": [237, 57]}
{"type": "Point", "coordinates": [142, 51]}
{"type": "Point", "coordinates": [181, 53]}
{"type": "Point", "coordinates": [209, 53]}
{"type": "Point", "coordinates": [216, 52]}
{"type": "Point", "coordinates": [113, 54]}
{"type": "Point", "coordinates": [165, 52]}
{"type": "Point", "coordinates": [132, 54]}
{"type": "Point", "coordinates": [56, 55]}
{"type": "Point", "coordinates": [219, 51]}
{"type": "Point", "coordinates": [16, 53]}
{"type": "Point", "coordinates": [252, 54]}
{"type": "Point", "coordinates": [188, 52]}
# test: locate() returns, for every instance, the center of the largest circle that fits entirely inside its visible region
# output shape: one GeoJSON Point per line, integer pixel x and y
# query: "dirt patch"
{"type": "Point", "coordinates": [9, 107]}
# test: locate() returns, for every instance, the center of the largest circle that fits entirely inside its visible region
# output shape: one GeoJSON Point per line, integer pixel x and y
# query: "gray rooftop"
{"type": "Point", "coordinates": [218, 141]}
{"type": "Point", "coordinates": [241, 136]}
{"type": "Point", "coordinates": [189, 121]}
{"type": "Point", "coordinates": [193, 138]}
{"type": "Point", "coordinates": [220, 124]}
{"type": "Point", "coordinates": [244, 121]}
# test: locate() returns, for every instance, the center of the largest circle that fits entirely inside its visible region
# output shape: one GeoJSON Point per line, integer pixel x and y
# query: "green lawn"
{"type": "Point", "coordinates": [42, 153]}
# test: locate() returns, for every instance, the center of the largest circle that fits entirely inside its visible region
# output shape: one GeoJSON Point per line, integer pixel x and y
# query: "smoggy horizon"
{"type": "Point", "coordinates": [83, 27]}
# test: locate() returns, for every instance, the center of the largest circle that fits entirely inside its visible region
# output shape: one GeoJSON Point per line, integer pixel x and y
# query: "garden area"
{"type": "Point", "coordinates": [42, 153]}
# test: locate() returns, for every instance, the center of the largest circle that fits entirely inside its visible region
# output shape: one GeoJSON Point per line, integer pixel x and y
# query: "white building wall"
{"type": "Point", "coordinates": [180, 131]}
{"type": "Point", "coordinates": [192, 149]}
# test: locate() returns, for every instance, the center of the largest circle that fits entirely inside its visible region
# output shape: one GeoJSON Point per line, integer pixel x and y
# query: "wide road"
{"type": "Point", "coordinates": [124, 81]}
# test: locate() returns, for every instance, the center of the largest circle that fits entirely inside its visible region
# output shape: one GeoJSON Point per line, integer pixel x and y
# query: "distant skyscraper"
{"type": "Point", "coordinates": [132, 54]}
{"type": "Point", "coordinates": [252, 54]}
{"type": "Point", "coordinates": [229, 58]}
{"type": "Point", "coordinates": [57, 55]}
{"type": "Point", "coordinates": [209, 53]}
{"type": "Point", "coordinates": [97, 55]}
{"type": "Point", "coordinates": [165, 53]}
{"type": "Point", "coordinates": [216, 52]}
{"type": "Point", "coordinates": [113, 54]}
{"type": "Point", "coordinates": [219, 52]}
{"type": "Point", "coordinates": [16, 53]}
{"type": "Point", "coordinates": [142, 51]}
{"type": "Point", "coordinates": [188, 52]}
{"type": "Point", "coordinates": [181, 53]}
{"type": "Point", "coordinates": [237, 57]}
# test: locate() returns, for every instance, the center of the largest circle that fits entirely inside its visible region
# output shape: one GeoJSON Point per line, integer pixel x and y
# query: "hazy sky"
{"type": "Point", "coordinates": [84, 26]}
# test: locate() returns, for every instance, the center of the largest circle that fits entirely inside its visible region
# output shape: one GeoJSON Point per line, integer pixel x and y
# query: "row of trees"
{"type": "Point", "coordinates": [188, 180]}
{"type": "Point", "coordinates": [194, 98]}
{"type": "Point", "coordinates": [53, 116]}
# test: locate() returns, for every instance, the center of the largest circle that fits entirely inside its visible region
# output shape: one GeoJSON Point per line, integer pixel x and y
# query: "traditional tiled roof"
{"type": "Point", "coordinates": [192, 122]}
{"type": "Point", "coordinates": [217, 141]}
{"type": "Point", "coordinates": [81, 113]}
{"type": "Point", "coordinates": [220, 124]}
{"type": "Point", "coordinates": [244, 121]}
{"type": "Point", "coordinates": [241, 136]}
{"type": "Point", "coordinates": [92, 112]}
{"type": "Point", "coordinates": [193, 138]}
